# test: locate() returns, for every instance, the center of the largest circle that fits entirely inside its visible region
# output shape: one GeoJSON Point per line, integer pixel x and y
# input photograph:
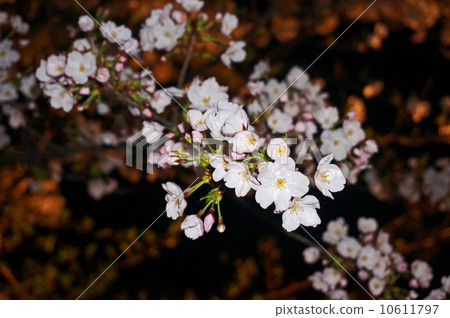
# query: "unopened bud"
{"type": "Point", "coordinates": [221, 227]}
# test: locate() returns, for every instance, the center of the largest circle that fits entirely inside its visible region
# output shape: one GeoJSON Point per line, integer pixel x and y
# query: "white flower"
{"type": "Point", "coordinates": [191, 5]}
{"type": "Point", "coordinates": [234, 53]}
{"type": "Point", "coordinates": [328, 177]}
{"type": "Point", "coordinates": [335, 142]}
{"type": "Point", "coordinates": [3, 18]}
{"type": "Point", "coordinates": [85, 23]}
{"type": "Point", "coordinates": [167, 34]}
{"type": "Point", "coordinates": [367, 257]}
{"type": "Point", "coordinates": [8, 56]}
{"type": "Point", "coordinates": [259, 70]}
{"type": "Point", "coordinates": [59, 97]}
{"type": "Point", "coordinates": [348, 247]}
{"type": "Point", "coordinates": [197, 120]}
{"type": "Point", "coordinates": [204, 94]}
{"type": "Point", "coordinates": [302, 211]}
{"type": "Point", "coordinates": [367, 225]}
{"type": "Point", "coordinates": [279, 183]}
{"type": "Point", "coordinates": [308, 128]}
{"type": "Point", "coordinates": [240, 178]}
{"type": "Point", "coordinates": [8, 92]}
{"type": "Point", "coordinates": [279, 122]}
{"type": "Point", "coordinates": [80, 66]}
{"type": "Point", "coordinates": [55, 65]}
{"type": "Point", "coordinates": [29, 87]}
{"type": "Point", "coordinates": [152, 131]}
{"type": "Point", "coordinates": [220, 163]}
{"type": "Point", "coordinates": [103, 108]}
{"type": "Point", "coordinates": [115, 34]}
{"type": "Point", "coordinates": [19, 25]}
{"type": "Point", "coordinates": [278, 148]}
{"type": "Point", "coordinates": [226, 119]}
{"type": "Point", "coordinates": [246, 142]}
{"type": "Point", "coordinates": [291, 108]}
{"type": "Point", "coordinates": [311, 255]}
{"type": "Point", "coordinates": [376, 286]}
{"type": "Point", "coordinates": [326, 117]}
{"type": "Point", "coordinates": [445, 281]}
{"type": "Point", "coordinates": [422, 272]}
{"type": "Point", "coordinates": [436, 294]}
{"type": "Point", "coordinates": [192, 226]}
{"type": "Point", "coordinates": [383, 242]}
{"type": "Point", "coordinates": [229, 23]}
{"type": "Point", "coordinates": [131, 46]}
{"type": "Point", "coordinates": [332, 276]}
{"type": "Point", "coordinates": [299, 76]}
{"type": "Point", "coordinates": [353, 131]}
{"type": "Point", "coordinates": [336, 230]}
{"type": "Point", "coordinates": [274, 89]}
{"type": "Point", "coordinates": [436, 184]}
{"type": "Point", "coordinates": [175, 200]}
{"type": "Point", "coordinates": [41, 72]}
{"type": "Point", "coordinates": [81, 45]}
{"type": "Point", "coordinates": [16, 118]}
{"type": "Point", "coordinates": [160, 101]}
{"type": "Point", "coordinates": [380, 269]}
{"type": "Point", "coordinates": [159, 15]}
{"type": "Point", "coordinates": [254, 108]}
{"type": "Point", "coordinates": [318, 283]}
{"type": "Point", "coordinates": [338, 294]}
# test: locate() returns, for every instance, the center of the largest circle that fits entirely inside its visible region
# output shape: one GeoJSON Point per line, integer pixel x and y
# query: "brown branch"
{"type": "Point", "coordinates": [288, 291]}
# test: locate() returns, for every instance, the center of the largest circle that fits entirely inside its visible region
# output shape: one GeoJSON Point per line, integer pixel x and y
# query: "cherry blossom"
{"type": "Point", "coordinates": [301, 212]}
{"type": "Point", "coordinates": [279, 183]}
{"type": "Point", "coordinates": [80, 66]}
{"type": "Point", "coordinates": [328, 177]}
{"type": "Point", "coordinates": [229, 23]}
{"type": "Point", "coordinates": [175, 200]}
{"type": "Point", "coordinates": [239, 177]}
{"type": "Point", "coordinates": [192, 227]}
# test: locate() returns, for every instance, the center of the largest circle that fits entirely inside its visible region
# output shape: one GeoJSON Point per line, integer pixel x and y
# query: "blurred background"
{"type": "Point", "coordinates": [391, 67]}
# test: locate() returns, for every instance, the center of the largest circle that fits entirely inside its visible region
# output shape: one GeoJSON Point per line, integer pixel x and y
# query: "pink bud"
{"type": "Point", "coordinates": [413, 294]}
{"type": "Point", "coordinates": [147, 113]}
{"type": "Point", "coordinates": [413, 283]}
{"type": "Point", "coordinates": [325, 262]}
{"type": "Point", "coordinates": [170, 134]}
{"type": "Point", "coordinates": [85, 91]}
{"type": "Point", "coordinates": [343, 282]}
{"type": "Point", "coordinates": [181, 128]}
{"type": "Point", "coordinates": [402, 267]}
{"type": "Point", "coordinates": [102, 75]}
{"type": "Point", "coordinates": [221, 228]}
{"type": "Point", "coordinates": [197, 137]}
{"type": "Point", "coordinates": [219, 17]}
{"type": "Point", "coordinates": [351, 114]}
{"type": "Point", "coordinates": [284, 98]}
{"type": "Point", "coordinates": [368, 237]}
{"type": "Point", "coordinates": [24, 42]}
{"type": "Point", "coordinates": [123, 59]}
{"type": "Point", "coordinates": [307, 116]}
{"type": "Point", "coordinates": [363, 275]}
{"type": "Point", "coordinates": [119, 67]}
{"type": "Point", "coordinates": [163, 59]}
{"type": "Point", "coordinates": [208, 222]}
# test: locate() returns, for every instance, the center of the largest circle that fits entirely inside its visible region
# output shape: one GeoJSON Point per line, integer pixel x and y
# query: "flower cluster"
{"type": "Point", "coordinates": [378, 266]}
{"type": "Point", "coordinates": [15, 87]}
